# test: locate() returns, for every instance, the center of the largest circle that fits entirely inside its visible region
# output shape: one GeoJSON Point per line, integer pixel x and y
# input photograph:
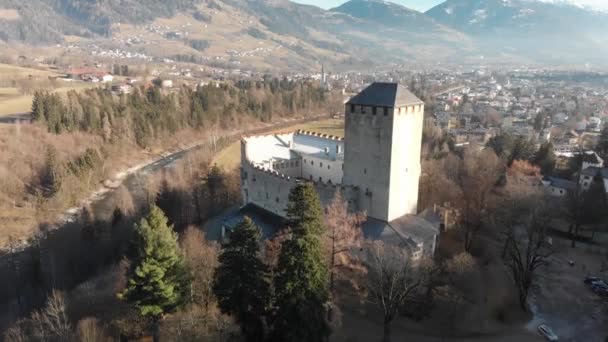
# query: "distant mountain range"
{"type": "Point", "coordinates": [357, 33]}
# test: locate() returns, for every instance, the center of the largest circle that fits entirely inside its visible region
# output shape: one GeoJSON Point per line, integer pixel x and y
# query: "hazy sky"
{"type": "Point", "coordinates": [423, 5]}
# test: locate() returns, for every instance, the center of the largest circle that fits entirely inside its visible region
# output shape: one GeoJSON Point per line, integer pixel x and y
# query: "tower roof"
{"type": "Point", "coordinates": [381, 94]}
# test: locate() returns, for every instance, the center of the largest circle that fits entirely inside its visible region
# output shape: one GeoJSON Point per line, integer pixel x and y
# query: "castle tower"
{"type": "Point", "coordinates": [382, 149]}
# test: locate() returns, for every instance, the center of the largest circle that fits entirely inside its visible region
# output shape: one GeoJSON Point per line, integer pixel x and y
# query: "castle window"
{"type": "Point", "coordinates": [321, 179]}
{"type": "Point", "coordinates": [320, 164]}
{"type": "Point", "coordinates": [328, 167]}
{"type": "Point", "coordinates": [291, 164]}
{"type": "Point", "coordinates": [312, 162]}
{"type": "Point", "coordinates": [277, 200]}
{"type": "Point", "coordinates": [386, 110]}
{"type": "Point", "coordinates": [364, 171]}
{"type": "Point", "coordinates": [352, 108]}
{"type": "Point", "coordinates": [267, 196]}
{"type": "Point", "coordinates": [297, 163]}
{"type": "Point", "coordinates": [375, 110]}
{"type": "Point", "coordinates": [304, 161]}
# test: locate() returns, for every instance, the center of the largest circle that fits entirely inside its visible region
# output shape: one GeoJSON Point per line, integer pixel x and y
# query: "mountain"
{"type": "Point", "coordinates": [264, 34]}
{"type": "Point", "coordinates": [283, 35]}
{"type": "Point", "coordinates": [50, 20]}
{"type": "Point", "coordinates": [388, 13]}
{"type": "Point", "coordinates": [539, 29]}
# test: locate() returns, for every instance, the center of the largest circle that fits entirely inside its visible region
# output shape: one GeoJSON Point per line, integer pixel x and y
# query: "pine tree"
{"type": "Point", "coordinates": [52, 173]}
{"type": "Point", "coordinates": [38, 107]}
{"type": "Point", "coordinates": [545, 158]}
{"type": "Point", "coordinates": [157, 280]}
{"type": "Point", "coordinates": [301, 281]}
{"type": "Point", "coordinates": [241, 281]}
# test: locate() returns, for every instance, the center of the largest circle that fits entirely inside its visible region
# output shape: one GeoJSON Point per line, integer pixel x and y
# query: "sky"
{"type": "Point", "coordinates": [423, 5]}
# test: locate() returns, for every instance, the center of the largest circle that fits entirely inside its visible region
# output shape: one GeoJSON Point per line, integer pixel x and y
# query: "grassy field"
{"type": "Point", "coordinates": [11, 102]}
{"type": "Point", "coordinates": [14, 102]}
{"type": "Point", "coordinates": [230, 157]}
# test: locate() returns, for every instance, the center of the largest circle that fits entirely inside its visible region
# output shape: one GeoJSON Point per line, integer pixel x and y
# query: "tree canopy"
{"type": "Point", "coordinates": [157, 279]}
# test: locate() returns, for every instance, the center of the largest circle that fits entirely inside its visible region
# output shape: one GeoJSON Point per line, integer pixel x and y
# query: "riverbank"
{"type": "Point", "coordinates": [150, 161]}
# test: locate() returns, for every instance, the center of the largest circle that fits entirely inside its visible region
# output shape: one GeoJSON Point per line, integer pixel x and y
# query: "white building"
{"type": "Point", "coordinates": [376, 166]}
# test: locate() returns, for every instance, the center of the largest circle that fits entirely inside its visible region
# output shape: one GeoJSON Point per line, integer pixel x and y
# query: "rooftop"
{"type": "Point", "coordinates": [385, 95]}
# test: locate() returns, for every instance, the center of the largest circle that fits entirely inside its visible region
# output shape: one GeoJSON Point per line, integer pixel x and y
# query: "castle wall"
{"type": "Point", "coordinates": [269, 189]}
{"type": "Point", "coordinates": [322, 170]}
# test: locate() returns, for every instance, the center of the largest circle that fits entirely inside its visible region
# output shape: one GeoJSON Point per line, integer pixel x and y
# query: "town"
{"type": "Point", "coordinates": [296, 171]}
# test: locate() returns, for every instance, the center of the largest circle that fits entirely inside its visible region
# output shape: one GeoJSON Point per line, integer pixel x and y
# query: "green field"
{"type": "Point", "coordinates": [230, 157]}
{"type": "Point", "coordinates": [11, 102]}
{"type": "Point", "coordinates": [14, 102]}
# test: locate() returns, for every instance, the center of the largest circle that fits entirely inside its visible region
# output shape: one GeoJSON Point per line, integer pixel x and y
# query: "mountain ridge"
{"type": "Point", "coordinates": [358, 31]}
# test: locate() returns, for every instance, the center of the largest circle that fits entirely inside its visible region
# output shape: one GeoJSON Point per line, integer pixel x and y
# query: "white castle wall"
{"type": "Point", "coordinates": [269, 189]}
{"type": "Point", "coordinates": [322, 170]}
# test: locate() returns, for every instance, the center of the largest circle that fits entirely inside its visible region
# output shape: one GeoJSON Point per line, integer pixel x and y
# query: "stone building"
{"type": "Point", "coordinates": [376, 166]}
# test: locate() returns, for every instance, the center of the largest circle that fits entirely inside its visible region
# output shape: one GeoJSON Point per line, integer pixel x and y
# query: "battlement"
{"type": "Point", "coordinates": [319, 135]}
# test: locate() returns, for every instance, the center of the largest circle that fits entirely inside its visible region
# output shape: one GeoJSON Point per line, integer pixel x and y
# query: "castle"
{"type": "Point", "coordinates": [376, 166]}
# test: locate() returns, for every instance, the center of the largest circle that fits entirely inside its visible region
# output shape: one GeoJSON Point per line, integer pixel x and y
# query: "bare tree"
{"type": "Point", "coordinates": [343, 234]}
{"type": "Point", "coordinates": [527, 250]}
{"type": "Point", "coordinates": [272, 248]}
{"type": "Point", "coordinates": [201, 257]}
{"type": "Point", "coordinates": [393, 279]}
{"type": "Point", "coordinates": [477, 176]}
{"type": "Point", "coordinates": [52, 323]}
{"type": "Point", "coordinates": [16, 332]}
{"type": "Point", "coordinates": [89, 330]}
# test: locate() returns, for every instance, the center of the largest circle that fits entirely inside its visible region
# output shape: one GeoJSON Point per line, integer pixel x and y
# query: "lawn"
{"type": "Point", "coordinates": [11, 102]}
{"type": "Point", "coordinates": [230, 157]}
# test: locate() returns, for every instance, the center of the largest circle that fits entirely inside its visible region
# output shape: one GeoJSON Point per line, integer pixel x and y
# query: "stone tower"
{"type": "Point", "coordinates": [382, 149]}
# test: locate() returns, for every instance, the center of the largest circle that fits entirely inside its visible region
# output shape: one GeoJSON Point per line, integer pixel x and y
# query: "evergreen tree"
{"type": "Point", "coordinates": [38, 107]}
{"type": "Point", "coordinates": [241, 281]}
{"type": "Point", "coordinates": [523, 149]}
{"type": "Point", "coordinates": [602, 146]}
{"type": "Point", "coordinates": [301, 281]}
{"type": "Point", "coordinates": [157, 279]}
{"type": "Point", "coordinates": [545, 158]}
{"type": "Point", "coordinates": [52, 173]}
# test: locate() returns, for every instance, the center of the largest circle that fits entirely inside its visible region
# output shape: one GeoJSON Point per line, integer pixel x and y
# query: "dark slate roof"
{"type": "Point", "coordinates": [591, 171]}
{"type": "Point", "coordinates": [385, 95]}
{"type": "Point", "coordinates": [406, 231]}
{"type": "Point", "coordinates": [561, 183]}
{"type": "Point", "coordinates": [268, 222]}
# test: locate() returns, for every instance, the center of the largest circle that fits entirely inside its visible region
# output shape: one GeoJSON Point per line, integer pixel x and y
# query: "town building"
{"type": "Point", "coordinates": [376, 166]}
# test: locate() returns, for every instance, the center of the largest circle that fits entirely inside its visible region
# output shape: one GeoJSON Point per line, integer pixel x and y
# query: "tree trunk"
{"type": "Point", "coordinates": [156, 331]}
{"type": "Point", "coordinates": [575, 236]}
{"type": "Point", "coordinates": [387, 330]}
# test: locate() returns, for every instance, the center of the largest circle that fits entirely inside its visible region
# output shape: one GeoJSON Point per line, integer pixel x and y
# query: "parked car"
{"type": "Point", "coordinates": [599, 286]}
{"type": "Point", "coordinates": [589, 280]}
{"type": "Point", "coordinates": [547, 332]}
